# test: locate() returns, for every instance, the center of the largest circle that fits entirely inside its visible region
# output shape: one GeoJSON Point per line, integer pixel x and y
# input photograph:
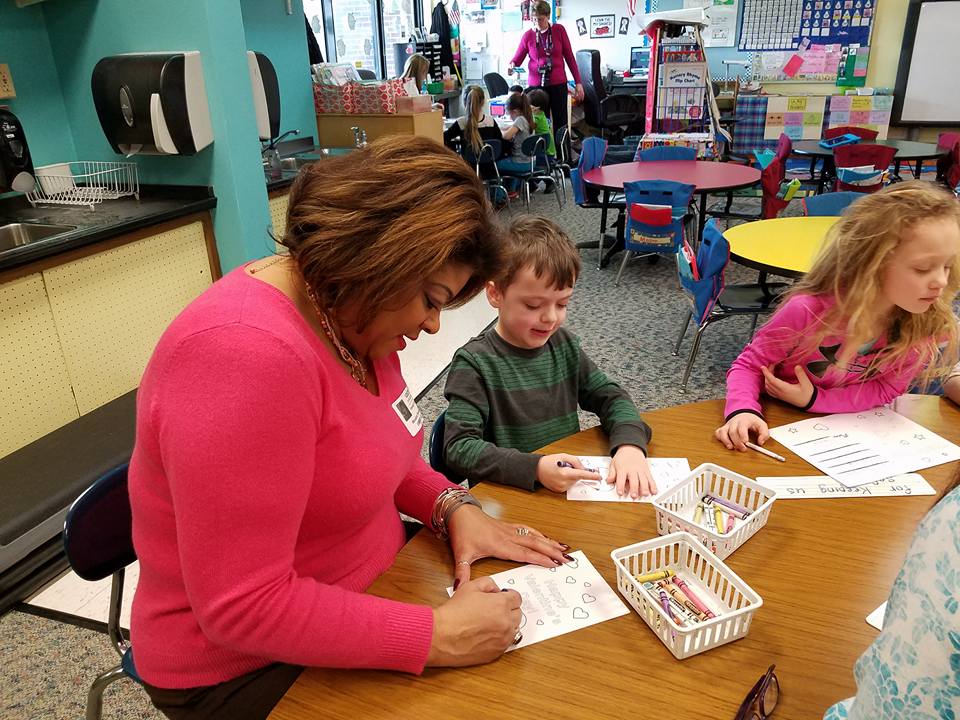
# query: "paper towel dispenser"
{"type": "Point", "coordinates": [266, 95]}
{"type": "Point", "coordinates": [16, 168]}
{"type": "Point", "coordinates": [153, 103]}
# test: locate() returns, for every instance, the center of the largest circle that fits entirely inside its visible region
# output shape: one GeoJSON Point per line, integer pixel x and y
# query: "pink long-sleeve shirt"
{"type": "Point", "coordinates": [562, 51]}
{"type": "Point", "coordinates": [836, 389]}
{"type": "Point", "coordinates": [265, 485]}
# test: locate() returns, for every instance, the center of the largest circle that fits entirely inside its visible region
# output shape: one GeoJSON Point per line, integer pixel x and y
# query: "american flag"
{"type": "Point", "coordinates": [454, 13]}
{"type": "Point", "coordinates": [632, 7]}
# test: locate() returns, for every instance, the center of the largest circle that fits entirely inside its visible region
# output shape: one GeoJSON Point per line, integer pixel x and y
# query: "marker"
{"type": "Point", "coordinates": [564, 464]}
{"type": "Point", "coordinates": [698, 513]}
{"type": "Point", "coordinates": [693, 598]}
{"type": "Point", "coordinates": [654, 576]}
{"type": "Point", "coordinates": [718, 515]}
{"type": "Point", "coordinates": [741, 511]}
{"type": "Point", "coordinates": [764, 451]}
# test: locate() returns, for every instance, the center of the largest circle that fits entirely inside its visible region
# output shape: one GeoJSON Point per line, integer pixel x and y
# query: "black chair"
{"type": "Point", "coordinates": [485, 164]}
{"type": "Point", "coordinates": [496, 85]}
{"type": "Point", "coordinates": [98, 541]}
{"type": "Point", "coordinates": [437, 461]}
{"type": "Point", "coordinates": [610, 114]}
{"type": "Point", "coordinates": [366, 74]}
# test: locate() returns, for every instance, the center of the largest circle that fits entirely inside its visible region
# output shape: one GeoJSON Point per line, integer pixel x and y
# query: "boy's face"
{"type": "Point", "coordinates": [530, 309]}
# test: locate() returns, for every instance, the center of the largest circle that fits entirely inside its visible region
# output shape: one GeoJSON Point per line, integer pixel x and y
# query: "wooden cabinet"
{"type": "Point", "coordinates": [334, 130]}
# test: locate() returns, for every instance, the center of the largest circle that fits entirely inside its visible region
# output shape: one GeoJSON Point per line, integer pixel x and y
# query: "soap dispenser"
{"type": "Point", "coordinates": [16, 168]}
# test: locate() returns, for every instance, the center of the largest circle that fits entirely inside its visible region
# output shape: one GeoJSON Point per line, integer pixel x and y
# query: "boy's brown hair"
{"type": "Point", "coordinates": [543, 246]}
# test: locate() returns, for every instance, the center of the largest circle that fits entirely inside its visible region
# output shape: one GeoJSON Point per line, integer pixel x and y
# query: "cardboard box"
{"type": "Point", "coordinates": [416, 104]}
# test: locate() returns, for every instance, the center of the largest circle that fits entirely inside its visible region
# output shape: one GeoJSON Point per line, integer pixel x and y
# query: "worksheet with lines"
{"type": "Point", "coordinates": [859, 448]}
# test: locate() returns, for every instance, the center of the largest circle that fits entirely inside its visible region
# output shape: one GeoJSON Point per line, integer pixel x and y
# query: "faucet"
{"type": "Point", "coordinates": [270, 154]}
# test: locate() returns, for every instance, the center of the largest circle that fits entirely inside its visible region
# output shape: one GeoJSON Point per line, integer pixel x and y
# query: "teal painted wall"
{"type": "Point", "coordinates": [25, 47]}
{"type": "Point", "coordinates": [83, 31]}
{"type": "Point", "coordinates": [283, 39]}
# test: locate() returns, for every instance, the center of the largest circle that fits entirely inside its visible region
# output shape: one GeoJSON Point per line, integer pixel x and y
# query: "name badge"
{"type": "Point", "coordinates": [406, 409]}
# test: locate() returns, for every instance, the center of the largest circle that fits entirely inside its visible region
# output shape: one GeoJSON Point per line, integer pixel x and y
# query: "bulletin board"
{"type": "Point", "coordinates": [784, 24]}
{"type": "Point", "coordinates": [866, 111]}
{"type": "Point", "coordinates": [799, 118]}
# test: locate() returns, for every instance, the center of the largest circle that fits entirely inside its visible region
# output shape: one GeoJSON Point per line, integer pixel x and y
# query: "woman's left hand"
{"type": "Point", "coordinates": [578, 92]}
{"type": "Point", "coordinates": [475, 535]}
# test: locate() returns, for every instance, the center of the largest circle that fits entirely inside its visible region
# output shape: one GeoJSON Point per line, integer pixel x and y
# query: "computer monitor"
{"type": "Point", "coordinates": [639, 60]}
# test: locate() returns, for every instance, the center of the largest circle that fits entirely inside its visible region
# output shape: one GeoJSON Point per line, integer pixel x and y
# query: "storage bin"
{"type": "Point", "coordinates": [415, 104]}
{"type": "Point", "coordinates": [675, 508]}
{"type": "Point", "coordinates": [716, 585]}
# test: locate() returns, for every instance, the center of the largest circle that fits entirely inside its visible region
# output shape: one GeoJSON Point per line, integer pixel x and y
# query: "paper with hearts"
{"type": "Point", "coordinates": [559, 600]}
{"type": "Point", "coordinates": [667, 472]}
{"type": "Point", "coordinates": [859, 448]}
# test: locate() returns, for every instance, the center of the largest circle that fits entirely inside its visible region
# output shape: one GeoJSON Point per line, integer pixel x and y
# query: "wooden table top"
{"type": "Point", "coordinates": [820, 566]}
{"type": "Point", "coordinates": [782, 246]}
{"type": "Point", "coordinates": [706, 175]}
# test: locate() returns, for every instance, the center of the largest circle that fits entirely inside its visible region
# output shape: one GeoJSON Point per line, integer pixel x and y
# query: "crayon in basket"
{"type": "Point", "coordinates": [678, 595]}
{"type": "Point", "coordinates": [654, 576]}
{"type": "Point", "coordinates": [681, 615]}
{"type": "Point", "coordinates": [701, 606]}
{"type": "Point", "coordinates": [730, 507]}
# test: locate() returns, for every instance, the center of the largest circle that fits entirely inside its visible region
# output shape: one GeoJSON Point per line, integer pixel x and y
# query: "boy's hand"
{"type": "Point", "coordinates": [559, 478]}
{"type": "Point", "coordinates": [736, 431]}
{"type": "Point", "coordinates": [630, 470]}
{"type": "Point", "coordinates": [798, 393]}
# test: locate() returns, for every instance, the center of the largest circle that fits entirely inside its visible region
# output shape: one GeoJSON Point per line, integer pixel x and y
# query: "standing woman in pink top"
{"type": "Point", "coordinates": [549, 48]}
{"type": "Point", "coordinates": [277, 443]}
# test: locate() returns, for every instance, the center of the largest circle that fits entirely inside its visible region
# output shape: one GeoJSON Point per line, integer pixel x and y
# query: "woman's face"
{"type": "Point", "coordinates": [392, 327]}
{"type": "Point", "coordinates": [541, 21]}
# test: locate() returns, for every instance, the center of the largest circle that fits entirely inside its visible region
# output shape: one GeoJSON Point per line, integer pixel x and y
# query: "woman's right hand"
{"type": "Point", "coordinates": [475, 626]}
{"type": "Point", "coordinates": [510, 68]}
{"type": "Point", "coordinates": [736, 431]}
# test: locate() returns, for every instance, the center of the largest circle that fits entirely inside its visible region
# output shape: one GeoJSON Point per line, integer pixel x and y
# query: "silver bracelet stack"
{"type": "Point", "coordinates": [446, 504]}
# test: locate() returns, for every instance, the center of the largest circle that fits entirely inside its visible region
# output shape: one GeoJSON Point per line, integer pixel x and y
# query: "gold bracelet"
{"type": "Point", "coordinates": [445, 505]}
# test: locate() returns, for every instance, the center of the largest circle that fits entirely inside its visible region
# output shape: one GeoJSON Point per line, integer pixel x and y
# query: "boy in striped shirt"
{"type": "Point", "coordinates": [517, 386]}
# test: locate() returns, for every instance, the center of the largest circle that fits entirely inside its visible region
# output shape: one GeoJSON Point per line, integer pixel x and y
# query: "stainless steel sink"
{"type": "Point", "coordinates": [16, 234]}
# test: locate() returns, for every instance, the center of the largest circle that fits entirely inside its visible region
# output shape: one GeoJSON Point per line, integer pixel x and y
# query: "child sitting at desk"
{"type": "Point", "coordinates": [517, 386]}
{"type": "Point", "coordinates": [866, 319]}
{"type": "Point", "coordinates": [518, 106]}
{"type": "Point", "coordinates": [475, 127]}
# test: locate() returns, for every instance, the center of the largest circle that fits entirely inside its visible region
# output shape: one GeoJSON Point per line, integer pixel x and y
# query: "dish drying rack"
{"type": "Point", "coordinates": [84, 183]}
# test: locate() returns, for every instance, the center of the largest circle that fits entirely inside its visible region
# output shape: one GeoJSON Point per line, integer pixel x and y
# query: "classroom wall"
{"type": "Point", "coordinates": [81, 32]}
{"type": "Point", "coordinates": [25, 47]}
{"type": "Point", "coordinates": [282, 38]}
{"type": "Point", "coordinates": [615, 51]}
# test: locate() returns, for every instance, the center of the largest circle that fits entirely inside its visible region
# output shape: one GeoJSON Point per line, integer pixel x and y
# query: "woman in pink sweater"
{"type": "Point", "coordinates": [874, 312]}
{"type": "Point", "coordinates": [549, 48]}
{"type": "Point", "coordinates": [277, 441]}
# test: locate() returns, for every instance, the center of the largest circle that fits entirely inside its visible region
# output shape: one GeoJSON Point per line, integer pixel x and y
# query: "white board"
{"type": "Point", "coordinates": [932, 94]}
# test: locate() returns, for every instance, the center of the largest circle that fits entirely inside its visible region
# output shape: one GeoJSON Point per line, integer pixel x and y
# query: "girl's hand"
{"type": "Point", "coordinates": [559, 478]}
{"type": "Point", "coordinates": [631, 472]}
{"type": "Point", "coordinates": [798, 393]}
{"type": "Point", "coordinates": [736, 431]}
{"type": "Point", "coordinates": [475, 626]}
{"type": "Point", "coordinates": [475, 535]}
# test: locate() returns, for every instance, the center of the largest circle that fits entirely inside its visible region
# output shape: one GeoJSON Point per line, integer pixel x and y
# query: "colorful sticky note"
{"type": "Point", "coordinates": [797, 104]}
{"type": "Point", "coordinates": [793, 66]}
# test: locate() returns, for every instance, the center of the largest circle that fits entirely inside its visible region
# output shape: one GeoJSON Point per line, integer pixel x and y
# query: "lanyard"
{"type": "Point", "coordinates": [547, 41]}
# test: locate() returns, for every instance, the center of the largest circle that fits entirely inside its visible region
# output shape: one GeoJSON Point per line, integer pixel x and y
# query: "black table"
{"type": "Point", "coordinates": [907, 150]}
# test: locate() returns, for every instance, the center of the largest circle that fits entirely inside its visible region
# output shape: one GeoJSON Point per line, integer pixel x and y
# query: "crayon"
{"type": "Point", "coordinates": [729, 524]}
{"type": "Point", "coordinates": [693, 598]}
{"type": "Point", "coordinates": [698, 513]}
{"type": "Point", "coordinates": [680, 597]}
{"type": "Point", "coordinates": [718, 515]}
{"type": "Point", "coordinates": [654, 576]}
{"type": "Point", "coordinates": [740, 509]}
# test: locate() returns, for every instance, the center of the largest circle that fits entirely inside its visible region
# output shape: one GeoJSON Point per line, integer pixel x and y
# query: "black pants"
{"type": "Point", "coordinates": [558, 104]}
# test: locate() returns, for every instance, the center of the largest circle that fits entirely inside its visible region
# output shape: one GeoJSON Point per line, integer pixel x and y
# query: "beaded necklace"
{"type": "Point", "coordinates": [357, 369]}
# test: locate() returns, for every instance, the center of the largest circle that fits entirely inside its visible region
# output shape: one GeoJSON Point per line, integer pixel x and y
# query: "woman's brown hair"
{"type": "Point", "coordinates": [416, 67]}
{"type": "Point", "coordinates": [541, 8]}
{"type": "Point", "coordinates": [370, 226]}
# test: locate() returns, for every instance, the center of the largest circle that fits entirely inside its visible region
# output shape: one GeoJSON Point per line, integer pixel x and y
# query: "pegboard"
{"type": "Point", "coordinates": [278, 217]}
{"type": "Point", "coordinates": [35, 394]}
{"type": "Point", "coordinates": [111, 308]}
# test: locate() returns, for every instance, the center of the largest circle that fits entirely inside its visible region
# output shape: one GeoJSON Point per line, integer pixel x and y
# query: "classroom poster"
{"type": "Point", "coordinates": [799, 118]}
{"type": "Point", "coordinates": [852, 66]}
{"type": "Point", "coordinates": [602, 26]}
{"type": "Point", "coordinates": [784, 24]}
{"type": "Point", "coordinates": [721, 16]}
{"type": "Point", "coordinates": [866, 111]}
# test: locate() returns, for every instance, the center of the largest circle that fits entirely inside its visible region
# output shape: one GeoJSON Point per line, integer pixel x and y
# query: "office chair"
{"type": "Point", "coordinates": [609, 113]}
{"type": "Point", "coordinates": [98, 541]}
{"type": "Point", "coordinates": [496, 85]}
{"type": "Point", "coordinates": [366, 74]}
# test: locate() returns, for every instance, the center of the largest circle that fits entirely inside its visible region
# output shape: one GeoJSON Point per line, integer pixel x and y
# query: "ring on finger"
{"type": "Point", "coordinates": [463, 562]}
{"type": "Point", "coordinates": [517, 637]}
{"type": "Point", "coordinates": [522, 531]}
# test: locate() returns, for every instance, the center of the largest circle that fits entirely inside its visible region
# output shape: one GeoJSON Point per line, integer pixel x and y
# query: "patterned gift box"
{"type": "Point", "coordinates": [335, 98]}
{"type": "Point", "coordinates": [377, 96]}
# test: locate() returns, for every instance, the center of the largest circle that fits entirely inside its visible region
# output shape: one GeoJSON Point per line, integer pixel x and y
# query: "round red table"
{"type": "Point", "coordinates": [705, 175]}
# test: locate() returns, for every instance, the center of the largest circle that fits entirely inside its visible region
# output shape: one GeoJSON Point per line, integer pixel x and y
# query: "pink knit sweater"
{"type": "Point", "coordinates": [265, 485]}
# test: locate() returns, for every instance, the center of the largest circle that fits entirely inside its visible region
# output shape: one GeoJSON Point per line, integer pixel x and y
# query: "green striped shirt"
{"type": "Point", "coordinates": [505, 402]}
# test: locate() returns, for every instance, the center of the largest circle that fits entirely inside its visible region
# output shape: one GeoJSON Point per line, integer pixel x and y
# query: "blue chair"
{"type": "Point", "coordinates": [666, 152]}
{"type": "Point", "coordinates": [711, 300]}
{"type": "Point", "coordinates": [828, 204]}
{"type": "Point", "coordinates": [646, 235]}
{"type": "Point", "coordinates": [592, 154]}
{"type": "Point", "coordinates": [98, 541]}
{"type": "Point", "coordinates": [437, 461]}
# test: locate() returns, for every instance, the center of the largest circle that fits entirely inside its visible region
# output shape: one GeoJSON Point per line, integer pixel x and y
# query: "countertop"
{"type": "Point", "coordinates": [157, 204]}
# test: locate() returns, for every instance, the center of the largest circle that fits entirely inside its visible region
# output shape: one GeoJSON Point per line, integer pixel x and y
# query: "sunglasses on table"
{"type": "Point", "coordinates": [762, 699]}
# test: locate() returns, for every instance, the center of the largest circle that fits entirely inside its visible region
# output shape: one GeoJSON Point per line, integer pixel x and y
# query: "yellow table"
{"type": "Point", "coordinates": [781, 246]}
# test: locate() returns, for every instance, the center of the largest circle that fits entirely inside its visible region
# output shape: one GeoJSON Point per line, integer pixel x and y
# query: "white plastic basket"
{"type": "Point", "coordinates": [676, 507]}
{"type": "Point", "coordinates": [730, 598]}
{"type": "Point", "coordinates": [84, 183]}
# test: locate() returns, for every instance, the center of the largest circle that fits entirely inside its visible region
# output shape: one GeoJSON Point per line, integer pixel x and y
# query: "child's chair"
{"type": "Point", "coordinates": [710, 299]}
{"type": "Point", "coordinates": [437, 461]}
{"type": "Point", "coordinates": [485, 164]}
{"type": "Point", "coordinates": [878, 157]}
{"type": "Point", "coordinates": [592, 153]}
{"type": "Point", "coordinates": [948, 167]}
{"type": "Point", "coordinates": [666, 152]}
{"type": "Point", "coordinates": [655, 212]}
{"type": "Point", "coordinates": [862, 133]}
{"type": "Point", "coordinates": [829, 204]}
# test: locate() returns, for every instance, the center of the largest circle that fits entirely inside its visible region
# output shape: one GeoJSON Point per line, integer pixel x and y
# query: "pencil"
{"type": "Point", "coordinates": [764, 451]}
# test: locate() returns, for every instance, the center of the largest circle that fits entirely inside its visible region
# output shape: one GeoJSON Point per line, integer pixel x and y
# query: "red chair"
{"type": "Point", "coordinates": [862, 133]}
{"type": "Point", "coordinates": [948, 168]}
{"type": "Point", "coordinates": [770, 178]}
{"type": "Point", "coordinates": [847, 156]}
